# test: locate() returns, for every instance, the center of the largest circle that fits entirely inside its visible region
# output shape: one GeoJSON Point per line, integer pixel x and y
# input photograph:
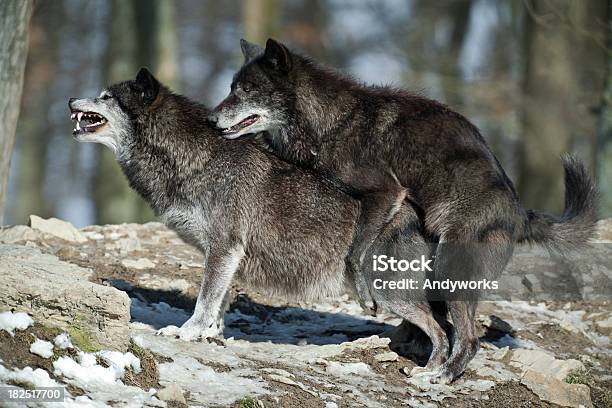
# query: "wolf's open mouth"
{"type": "Point", "coordinates": [86, 122]}
{"type": "Point", "coordinates": [246, 122]}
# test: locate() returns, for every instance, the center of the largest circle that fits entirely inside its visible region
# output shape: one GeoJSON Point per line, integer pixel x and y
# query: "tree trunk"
{"type": "Point", "coordinates": [260, 19]}
{"type": "Point", "coordinates": [604, 143]}
{"type": "Point", "coordinates": [14, 20]}
{"type": "Point", "coordinates": [560, 93]}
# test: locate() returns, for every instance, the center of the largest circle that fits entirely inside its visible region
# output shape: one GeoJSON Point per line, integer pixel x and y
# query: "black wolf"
{"type": "Point", "coordinates": [388, 146]}
{"type": "Point", "coordinates": [277, 226]}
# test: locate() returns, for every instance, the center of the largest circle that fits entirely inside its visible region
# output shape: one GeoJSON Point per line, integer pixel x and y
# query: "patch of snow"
{"type": "Point", "coordinates": [86, 371]}
{"type": "Point", "coordinates": [207, 386]}
{"type": "Point", "coordinates": [89, 373]}
{"type": "Point", "coordinates": [103, 384]}
{"type": "Point", "coordinates": [121, 361]}
{"type": "Point", "coordinates": [42, 348]}
{"type": "Point", "coordinates": [62, 341]}
{"type": "Point", "coordinates": [37, 377]}
{"type": "Point", "coordinates": [10, 321]}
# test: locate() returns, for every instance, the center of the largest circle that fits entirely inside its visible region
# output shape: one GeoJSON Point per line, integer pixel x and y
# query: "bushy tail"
{"type": "Point", "coordinates": [577, 224]}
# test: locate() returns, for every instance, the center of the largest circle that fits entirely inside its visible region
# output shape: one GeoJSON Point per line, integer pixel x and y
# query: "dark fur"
{"type": "Point", "coordinates": [384, 145]}
{"type": "Point", "coordinates": [291, 229]}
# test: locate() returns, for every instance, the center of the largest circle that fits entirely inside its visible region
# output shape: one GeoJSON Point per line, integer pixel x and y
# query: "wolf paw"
{"type": "Point", "coordinates": [190, 332]}
{"type": "Point", "coordinates": [442, 376]}
{"type": "Point", "coordinates": [420, 372]}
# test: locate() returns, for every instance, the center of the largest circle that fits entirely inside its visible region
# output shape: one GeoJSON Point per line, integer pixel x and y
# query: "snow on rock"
{"type": "Point", "coordinates": [62, 341]}
{"type": "Point", "coordinates": [121, 361]}
{"type": "Point", "coordinates": [40, 378]}
{"type": "Point", "coordinates": [88, 372]}
{"type": "Point", "coordinates": [10, 321]}
{"type": "Point", "coordinates": [36, 377]}
{"type": "Point", "coordinates": [207, 386]}
{"type": "Point", "coordinates": [172, 393]}
{"type": "Point", "coordinates": [103, 384]}
{"type": "Point", "coordinates": [42, 348]}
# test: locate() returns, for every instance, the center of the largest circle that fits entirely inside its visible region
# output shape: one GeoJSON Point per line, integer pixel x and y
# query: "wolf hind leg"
{"type": "Point", "coordinates": [421, 315]}
{"type": "Point", "coordinates": [484, 256]}
{"type": "Point", "coordinates": [381, 200]}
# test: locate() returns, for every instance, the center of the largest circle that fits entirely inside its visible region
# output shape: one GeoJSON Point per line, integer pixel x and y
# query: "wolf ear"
{"type": "Point", "coordinates": [278, 56]}
{"type": "Point", "coordinates": [147, 85]}
{"type": "Point", "coordinates": [250, 50]}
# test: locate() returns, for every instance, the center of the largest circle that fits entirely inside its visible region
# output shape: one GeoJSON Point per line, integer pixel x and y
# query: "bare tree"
{"type": "Point", "coordinates": [604, 144]}
{"type": "Point", "coordinates": [260, 19]}
{"type": "Point", "coordinates": [564, 76]}
{"type": "Point", "coordinates": [142, 33]}
{"type": "Point", "coordinates": [14, 20]}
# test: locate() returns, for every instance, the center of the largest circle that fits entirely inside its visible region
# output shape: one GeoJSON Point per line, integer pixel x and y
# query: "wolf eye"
{"type": "Point", "coordinates": [106, 96]}
{"type": "Point", "coordinates": [247, 87]}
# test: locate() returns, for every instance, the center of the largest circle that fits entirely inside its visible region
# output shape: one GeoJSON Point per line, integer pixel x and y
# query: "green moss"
{"type": "Point", "coordinates": [26, 385]}
{"type": "Point", "coordinates": [601, 396]}
{"type": "Point", "coordinates": [247, 402]}
{"type": "Point", "coordinates": [579, 377]}
{"type": "Point", "coordinates": [80, 338]}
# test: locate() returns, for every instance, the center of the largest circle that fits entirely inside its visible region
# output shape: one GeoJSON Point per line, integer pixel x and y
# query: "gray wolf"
{"type": "Point", "coordinates": [276, 226]}
{"type": "Point", "coordinates": [388, 146]}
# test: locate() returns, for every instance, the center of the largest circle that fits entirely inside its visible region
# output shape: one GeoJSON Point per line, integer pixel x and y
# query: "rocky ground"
{"type": "Point", "coordinates": [108, 288]}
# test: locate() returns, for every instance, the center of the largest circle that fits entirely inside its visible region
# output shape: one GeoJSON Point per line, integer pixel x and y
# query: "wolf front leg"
{"type": "Point", "coordinates": [221, 264]}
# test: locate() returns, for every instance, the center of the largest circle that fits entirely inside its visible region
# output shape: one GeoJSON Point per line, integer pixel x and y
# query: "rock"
{"type": "Point", "coordinates": [172, 393]}
{"type": "Point", "coordinates": [141, 263]}
{"type": "Point", "coordinates": [384, 357]}
{"type": "Point", "coordinates": [569, 326]}
{"type": "Point", "coordinates": [534, 275]}
{"type": "Point", "coordinates": [157, 282]}
{"type": "Point", "coordinates": [544, 363]}
{"type": "Point", "coordinates": [371, 342]}
{"type": "Point", "coordinates": [289, 381]}
{"type": "Point", "coordinates": [339, 369]}
{"type": "Point", "coordinates": [57, 228]}
{"type": "Point", "coordinates": [129, 244]}
{"type": "Point", "coordinates": [17, 233]}
{"type": "Point", "coordinates": [57, 293]}
{"type": "Point", "coordinates": [499, 354]}
{"type": "Point", "coordinates": [605, 324]}
{"type": "Point", "coordinates": [495, 323]}
{"type": "Point", "coordinates": [557, 392]}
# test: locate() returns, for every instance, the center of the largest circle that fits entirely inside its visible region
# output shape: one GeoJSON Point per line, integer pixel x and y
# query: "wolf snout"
{"type": "Point", "coordinates": [213, 118]}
